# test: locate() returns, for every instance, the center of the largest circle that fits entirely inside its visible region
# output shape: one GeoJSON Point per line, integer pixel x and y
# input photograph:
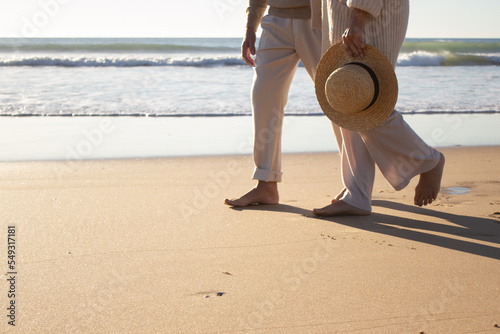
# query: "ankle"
{"type": "Point", "coordinates": [267, 186]}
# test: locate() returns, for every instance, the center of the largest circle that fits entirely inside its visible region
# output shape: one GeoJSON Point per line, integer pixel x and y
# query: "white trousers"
{"type": "Point", "coordinates": [393, 146]}
{"type": "Point", "coordinates": [282, 44]}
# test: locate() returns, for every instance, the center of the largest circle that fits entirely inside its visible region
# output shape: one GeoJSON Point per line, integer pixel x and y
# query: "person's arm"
{"type": "Point", "coordinates": [248, 46]}
{"type": "Point", "coordinates": [255, 12]}
{"type": "Point", "coordinates": [354, 35]}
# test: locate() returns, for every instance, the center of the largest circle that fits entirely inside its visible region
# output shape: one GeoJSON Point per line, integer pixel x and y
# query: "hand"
{"type": "Point", "coordinates": [248, 47]}
{"type": "Point", "coordinates": [354, 35]}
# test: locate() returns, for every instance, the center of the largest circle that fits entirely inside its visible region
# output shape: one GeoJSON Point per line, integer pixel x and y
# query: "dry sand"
{"type": "Point", "coordinates": [147, 246]}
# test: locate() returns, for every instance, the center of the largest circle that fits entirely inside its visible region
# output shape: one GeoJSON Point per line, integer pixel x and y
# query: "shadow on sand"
{"type": "Point", "coordinates": [460, 235]}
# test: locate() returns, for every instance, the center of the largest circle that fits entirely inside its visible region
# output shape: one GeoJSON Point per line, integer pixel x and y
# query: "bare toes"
{"type": "Point", "coordinates": [262, 194]}
{"type": "Point", "coordinates": [340, 208]}
{"type": "Point", "coordinates": [429, 184]}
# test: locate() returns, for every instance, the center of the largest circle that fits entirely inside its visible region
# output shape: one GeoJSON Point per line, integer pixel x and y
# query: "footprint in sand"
{"type": "Point", "coordinates": [215, 294]}
{"type": "Point", "coordinates": [209, 294]}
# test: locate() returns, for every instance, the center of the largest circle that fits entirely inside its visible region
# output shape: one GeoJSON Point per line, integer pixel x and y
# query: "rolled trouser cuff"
{"type": "Point", "coordinates": [266, 175]}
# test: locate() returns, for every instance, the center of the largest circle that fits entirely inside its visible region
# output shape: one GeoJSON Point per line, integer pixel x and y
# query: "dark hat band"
{"type": "Point", "coordinates": [374, 78]}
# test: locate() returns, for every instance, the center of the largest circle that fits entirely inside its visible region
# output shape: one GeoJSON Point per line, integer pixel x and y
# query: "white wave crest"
{"type": "Point", "coordinates": [421, 58]}
{"type": "Point", "coordinates": [120, 61]}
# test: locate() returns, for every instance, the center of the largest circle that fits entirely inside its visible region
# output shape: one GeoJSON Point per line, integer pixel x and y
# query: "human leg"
{"type": "Point", "coordinates": [400, 155]}
{"type": "Point", "coordinates": [358, 173]}
{"type": "Point", "coordinates": [399, 152]}
{"type": "Point", "coordinates": [276, 62]}
{"type": "Point", "coordinates": [402, 159]}
{"type": "Point", "coordinates": [308, 45]}
{"type": "Point", "coordinates": [394, 146]}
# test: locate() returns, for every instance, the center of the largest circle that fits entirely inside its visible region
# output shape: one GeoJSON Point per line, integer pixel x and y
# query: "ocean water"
{"type": "Point", "coordinates": [206, 77]}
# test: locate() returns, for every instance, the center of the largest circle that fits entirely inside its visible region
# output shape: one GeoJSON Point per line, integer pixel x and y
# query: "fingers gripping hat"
{"type": "Point", "coordinates": [356, 94]}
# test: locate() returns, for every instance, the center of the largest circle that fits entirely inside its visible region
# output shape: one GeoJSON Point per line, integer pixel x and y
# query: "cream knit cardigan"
{"type": "Point", "coordinates": [298, 9]}
{"type": "Point", "coordinates": [385, 26]}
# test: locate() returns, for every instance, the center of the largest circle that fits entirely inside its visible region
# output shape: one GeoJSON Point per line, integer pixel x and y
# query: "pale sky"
{"type": "Point", "coordinates": [213, 18]}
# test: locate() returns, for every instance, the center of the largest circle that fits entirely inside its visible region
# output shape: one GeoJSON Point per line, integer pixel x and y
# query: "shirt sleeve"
{"type": "Point", "coordinates": [372, 7]}
{"type": "Point", "coordinates": [255, 12]}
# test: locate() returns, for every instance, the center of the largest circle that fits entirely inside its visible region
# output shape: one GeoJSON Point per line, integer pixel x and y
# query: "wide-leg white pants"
{"type": "Point", "coordinates": [393, 146]}
{"type": "Point", "coordinates": [283, 43]}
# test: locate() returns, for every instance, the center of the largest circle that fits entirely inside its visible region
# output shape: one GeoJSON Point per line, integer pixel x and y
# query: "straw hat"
{"type": "Point", "coordinates": [356, 94]}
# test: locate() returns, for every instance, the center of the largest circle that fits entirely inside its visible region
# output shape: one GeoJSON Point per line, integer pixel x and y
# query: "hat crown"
{"type": "Point", "coordinates": [352, 103]}
{"type": "Point", "coordinates": [351, 88]}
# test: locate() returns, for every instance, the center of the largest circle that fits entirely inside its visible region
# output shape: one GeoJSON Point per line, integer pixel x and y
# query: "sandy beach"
{"type": "Point", "coordinates": [147, 246]}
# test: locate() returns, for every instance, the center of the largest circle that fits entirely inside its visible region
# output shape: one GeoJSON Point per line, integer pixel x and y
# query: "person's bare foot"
{"type": "Point", "coordinates": [263, 193]}
{"type": "Point", "coordinates": [429, 184]}
{"type": "Point", "coordinates": [340, 208]}
{"type": "Point", "coordinates": [339, 196]}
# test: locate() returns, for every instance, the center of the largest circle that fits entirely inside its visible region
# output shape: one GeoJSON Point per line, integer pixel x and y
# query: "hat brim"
{"type": "Point", "coordinates": [379, 111]}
